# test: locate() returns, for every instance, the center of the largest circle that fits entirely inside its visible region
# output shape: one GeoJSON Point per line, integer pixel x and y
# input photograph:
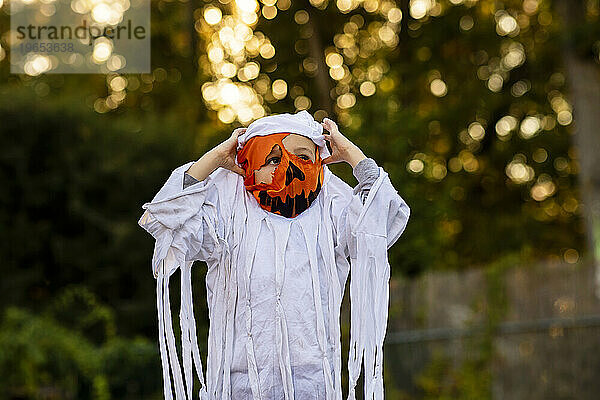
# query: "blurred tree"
{"type": "Point", "coordinates": [73, 186]}
{"type": "Point", "coordinates": [582, 26]}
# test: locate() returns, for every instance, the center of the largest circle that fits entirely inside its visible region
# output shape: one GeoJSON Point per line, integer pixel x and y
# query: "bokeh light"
{"type": "Point", "coordinates": [438, 88]}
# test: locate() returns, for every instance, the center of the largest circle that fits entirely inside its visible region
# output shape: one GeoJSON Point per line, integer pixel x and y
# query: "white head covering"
{"type": "Point", "coordinates": [301, 123]}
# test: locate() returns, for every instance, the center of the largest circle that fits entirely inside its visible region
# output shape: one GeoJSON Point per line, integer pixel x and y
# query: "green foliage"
{"type": "Point", "coordinates": [77, 308]}
{"type": "Point", "coordinates": [41, 357]}
{"type": "Point", "coordinates": [73, 188]}
{"type": "Point", "coordinates": [79, 265]}
{"type": "Point", "coordinates": [442, 380]}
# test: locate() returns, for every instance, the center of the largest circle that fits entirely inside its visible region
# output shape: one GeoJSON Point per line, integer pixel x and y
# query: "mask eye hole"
{"type": "Point", "coordinates": [274, 157]}
{"type": "Point", "coordinates": [273, 160]}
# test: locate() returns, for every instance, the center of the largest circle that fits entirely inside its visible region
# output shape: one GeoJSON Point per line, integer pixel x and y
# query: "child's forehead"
{"type": "Point", "coordinates": [290, 141]}
{"type": "Point", "coordinates": [293, 141]}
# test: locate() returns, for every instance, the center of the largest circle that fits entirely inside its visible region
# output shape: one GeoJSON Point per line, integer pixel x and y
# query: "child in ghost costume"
{"type": "Point", "coordinates": [279, 252]}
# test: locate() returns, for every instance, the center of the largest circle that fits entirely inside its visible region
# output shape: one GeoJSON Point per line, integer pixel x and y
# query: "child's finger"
{"type": "Point", "coordinates": [329, 122]}
{"type": "Point", "coordinates": [237, 132]}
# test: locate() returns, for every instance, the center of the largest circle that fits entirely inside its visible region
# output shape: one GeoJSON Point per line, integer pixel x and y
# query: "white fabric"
{"type": "Point", "coordinates": [274, 286]}
{"type": "Point", "coordinates": [301, 123]}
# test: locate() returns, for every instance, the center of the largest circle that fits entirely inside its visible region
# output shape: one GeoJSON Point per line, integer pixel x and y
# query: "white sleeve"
{"type": "Point", "coordinates": [365, 232]}
{"type": "Point", "coordinates": [187, 225]}
{"type": "Point", "coordinates": [190, 220]}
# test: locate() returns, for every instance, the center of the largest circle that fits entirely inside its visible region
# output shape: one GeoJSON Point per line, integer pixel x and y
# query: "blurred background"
{"type": "Point", "coordinates": [485, 114]}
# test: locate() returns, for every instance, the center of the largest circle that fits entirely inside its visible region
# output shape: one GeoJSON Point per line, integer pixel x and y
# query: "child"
{"type": "Point", "coordinates": [280, 233]}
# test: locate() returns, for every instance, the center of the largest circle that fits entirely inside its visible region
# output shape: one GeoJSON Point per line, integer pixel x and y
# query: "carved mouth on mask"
{"type": "Point", "coordinates": [292, 205]}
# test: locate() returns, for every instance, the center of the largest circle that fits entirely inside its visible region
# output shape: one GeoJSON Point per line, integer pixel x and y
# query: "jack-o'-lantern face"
{"type": "Point", "coordinates": [296, 180]}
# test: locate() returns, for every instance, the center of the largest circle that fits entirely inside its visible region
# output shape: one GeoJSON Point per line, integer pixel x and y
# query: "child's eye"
{"type": "Point", "coordinates": [304, 157]}
{"type": "Point", "coordinates": [274, 160]}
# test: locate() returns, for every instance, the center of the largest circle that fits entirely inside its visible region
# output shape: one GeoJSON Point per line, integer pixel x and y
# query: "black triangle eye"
{"type": "Point", "coordinates": [293, 172]}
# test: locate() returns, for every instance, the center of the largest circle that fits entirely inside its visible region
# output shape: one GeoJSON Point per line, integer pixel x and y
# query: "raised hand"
{"type": "Point", "coordinates": [225, 152]}
{"type": "Point", "coordinates": [222, 155]}
{"type": "Point", "coordinates": [342, 149]}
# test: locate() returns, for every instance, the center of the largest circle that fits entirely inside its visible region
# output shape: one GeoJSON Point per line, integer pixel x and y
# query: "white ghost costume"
{"type": "Point", "coordinates": [274, 284]}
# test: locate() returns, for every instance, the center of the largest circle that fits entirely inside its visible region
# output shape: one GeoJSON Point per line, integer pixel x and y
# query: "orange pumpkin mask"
{"type": "Point", "coordinates": [296, 182]}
